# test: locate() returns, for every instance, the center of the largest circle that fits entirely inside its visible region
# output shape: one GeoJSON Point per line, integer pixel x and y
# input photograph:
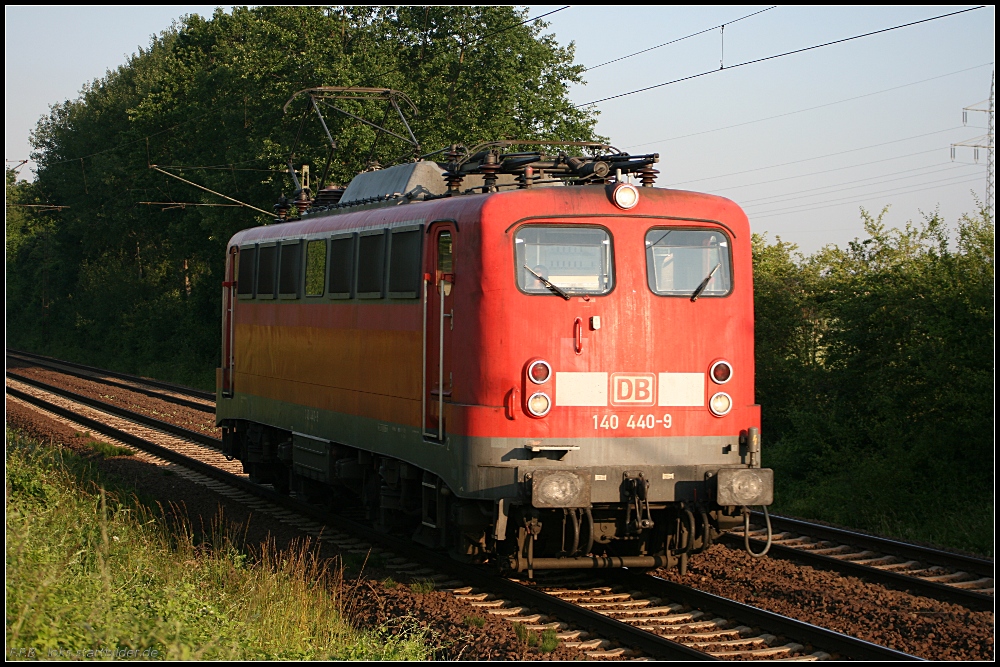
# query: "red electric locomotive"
{"type": "Point", "coordinates": [530, 360]}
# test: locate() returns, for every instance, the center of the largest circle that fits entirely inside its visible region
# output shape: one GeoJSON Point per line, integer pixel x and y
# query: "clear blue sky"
{"type": "Point", "coordinates": [802, 175]}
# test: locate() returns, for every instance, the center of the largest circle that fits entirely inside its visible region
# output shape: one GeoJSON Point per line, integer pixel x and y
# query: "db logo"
{"type": "Point", "coordinates": [633, 389]}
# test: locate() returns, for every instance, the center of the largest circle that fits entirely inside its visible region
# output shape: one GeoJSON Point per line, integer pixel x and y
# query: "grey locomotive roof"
{"type": "Point", "coordinates": [413, 178]}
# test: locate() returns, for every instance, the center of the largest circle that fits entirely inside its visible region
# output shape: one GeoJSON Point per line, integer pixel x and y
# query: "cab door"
{"type": "Point", "coordinates": [439, 316]}
{"type": "Point", "coordinates": [229, 320]}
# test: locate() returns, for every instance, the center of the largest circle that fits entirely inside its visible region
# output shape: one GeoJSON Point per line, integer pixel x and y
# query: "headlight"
{"type": "Point", "coordinates": [720, 404]}
{"type": "Point", "coordinates": [539, 404]}
{"type": "Point", "coordinates": [539, 372]}
{"type": "Point", "coordinates": [625, 196]}
{"type": "Point", "coordinates": [721, 372]}
{"type": "Point", "coordinates": [561, 488]}
{"type": "Point", "coordinates": [745, 486]}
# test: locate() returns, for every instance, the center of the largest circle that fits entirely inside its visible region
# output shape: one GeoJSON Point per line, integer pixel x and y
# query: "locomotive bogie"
{"type": "Point", "coordinates": [628, 529]}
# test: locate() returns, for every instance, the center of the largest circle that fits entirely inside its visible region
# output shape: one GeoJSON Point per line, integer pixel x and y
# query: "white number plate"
{"type": "Point", "coordinates": [645, 422]}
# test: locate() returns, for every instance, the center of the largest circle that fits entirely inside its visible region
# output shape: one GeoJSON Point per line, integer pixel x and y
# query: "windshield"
{"type": "Point", "coordinates": [576, 260]}
{"type": "Point", "coordinates": [678, 261]}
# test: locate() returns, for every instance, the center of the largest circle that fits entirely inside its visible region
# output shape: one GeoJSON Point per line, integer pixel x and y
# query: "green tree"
{"type": "Point", "coordinates": [137, 287]}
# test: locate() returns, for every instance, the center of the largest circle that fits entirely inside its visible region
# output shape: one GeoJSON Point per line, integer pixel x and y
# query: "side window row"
{"type": "Point", "coordinates": [372, 264]}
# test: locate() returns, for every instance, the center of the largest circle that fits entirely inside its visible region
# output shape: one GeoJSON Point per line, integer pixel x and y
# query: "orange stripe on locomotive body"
{"type": "Point", "coordinates": [361, 361]}
{"type": "Point", "coordinates": [366, 373]}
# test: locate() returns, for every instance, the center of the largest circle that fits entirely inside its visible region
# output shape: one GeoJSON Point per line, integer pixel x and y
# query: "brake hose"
{"type": "Point", "coordinates": [746, 533]}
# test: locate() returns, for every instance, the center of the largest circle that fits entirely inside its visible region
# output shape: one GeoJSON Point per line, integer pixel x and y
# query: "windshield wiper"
{"type": "Point", "coordinates": [704, 283]}
{"type": "Point", "coordinates": [554, 288]}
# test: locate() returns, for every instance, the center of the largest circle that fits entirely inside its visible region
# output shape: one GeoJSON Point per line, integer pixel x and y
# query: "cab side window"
{"type": "Point", "coordinates": [341, 262]}
{"type": "Point", "coordinates": [315, 267]}
{"type": "Point", "coordinates": [371, 265]}
{"type": "Point", "coordinates": [266, 267]}
{"type": "Point", "coordinates": [245, 271]}
{"type": "Point", "coordinates": [405, 263]}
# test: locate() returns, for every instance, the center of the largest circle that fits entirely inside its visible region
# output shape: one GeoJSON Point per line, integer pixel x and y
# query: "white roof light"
{"type": "Point", "coordinates": [625, 196]}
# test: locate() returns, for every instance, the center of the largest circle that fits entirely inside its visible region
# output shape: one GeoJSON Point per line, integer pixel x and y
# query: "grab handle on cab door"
{"type": "Point", "coordinates": [578, 335]}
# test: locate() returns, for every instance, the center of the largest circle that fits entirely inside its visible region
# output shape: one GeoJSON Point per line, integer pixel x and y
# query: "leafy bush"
{"type": "Point", "coordinates": [875, 375]}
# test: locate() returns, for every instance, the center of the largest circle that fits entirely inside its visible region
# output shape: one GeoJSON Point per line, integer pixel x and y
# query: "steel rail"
{"type": "Point", "coordinates": [64, 367]}
{"type": "Point", "coordinates": [159, 424]}
{"type": "Point", "coordinates": [931, 589]}
{"type": "Point", "coordinates": [647, 642]}
{"type": "Point", "coordinates": [969, 598]}
{"type": "Point", "coordinates": [981, 566]}
{"type": "Point", "coordinates": [794, 629]}
{"type": "Point", "coordinates": [181, 389]}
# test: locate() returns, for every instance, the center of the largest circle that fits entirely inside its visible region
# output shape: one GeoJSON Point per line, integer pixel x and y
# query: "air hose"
{"type": "Point", "coordinates": [746, 533]}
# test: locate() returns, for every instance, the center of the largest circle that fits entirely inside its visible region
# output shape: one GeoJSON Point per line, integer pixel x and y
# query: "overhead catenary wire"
{"type": "Point", "coordinates": [767, 207]}
{"type": "Point", "coordinates": [680, 39]}
{"type": "Point", "coordinates": [202, 187]}
{"type": "Point", "coordinates": [168, 205]}
{"type": "Point", "coordinates": [516, 25]}
{"type": "Point", "coordinates": [44, 207]}
{"type": "Point", "coordinates": [183, 167]}
{"type": "Point", "coordinates": [781, 55]}
{"type": "Point", "coordinates": [813, 108]}
{"type": "Point", "coordinates": [899, 190]}
{"type": "Point", "coordinates": [818, 157]}
{"type": "Point", "coordinates": [832, 169]}
{"type": "Point", "coordinates": [857, 200]}
{"type": "Point", "coordinates": [859, 183]}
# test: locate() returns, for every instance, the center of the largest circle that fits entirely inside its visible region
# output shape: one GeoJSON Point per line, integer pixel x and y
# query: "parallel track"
{"type": "Point", "coordinates": [933, 573]}
{"type": "Point", "coordinates": [657, 619]}
{"type": "Point", "coordinates": [196, 398]}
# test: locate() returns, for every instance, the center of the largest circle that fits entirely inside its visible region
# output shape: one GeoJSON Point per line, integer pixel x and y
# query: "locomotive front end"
{"type": "Point", "coordinates": [620, 339]}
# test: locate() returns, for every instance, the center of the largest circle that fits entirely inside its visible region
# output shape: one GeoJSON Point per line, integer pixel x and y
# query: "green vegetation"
{"type": "Point", "coordinates": [358, 563]}
{"type": "Point", "coordinates": [549, 641]}
{"type": "Point", "coordinates": [523, 634]}
{"type": "Point", "coordinates": [422, 586]}
{"type": "Point", "coordinates": [127, 286]}
{"type": "Point", "coordinates": [95, 570]}
{"type": "Point", "coordinates": [875, 376]}
{"type": "Point", "coordinates": [546, 642]}
{"type": "Point", "coordinates": [475, 621]}
{"type": "Point", "coordinates": [104, 448]}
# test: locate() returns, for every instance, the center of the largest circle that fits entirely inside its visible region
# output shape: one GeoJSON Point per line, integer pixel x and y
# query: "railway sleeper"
{"type": "Point", "coordinates": [975, 584]}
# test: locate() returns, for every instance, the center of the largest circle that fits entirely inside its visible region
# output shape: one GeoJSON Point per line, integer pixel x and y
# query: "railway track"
{"type": "Point", "coordinates": [933, 573]}
{"type": "Point", "coordinates": [166, 391]}
{"type": "Point", "coordinates": [606, 614]}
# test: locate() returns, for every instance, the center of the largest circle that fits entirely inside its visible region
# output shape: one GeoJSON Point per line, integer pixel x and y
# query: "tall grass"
{"type": "Point", "coordinates": [90, 569]}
